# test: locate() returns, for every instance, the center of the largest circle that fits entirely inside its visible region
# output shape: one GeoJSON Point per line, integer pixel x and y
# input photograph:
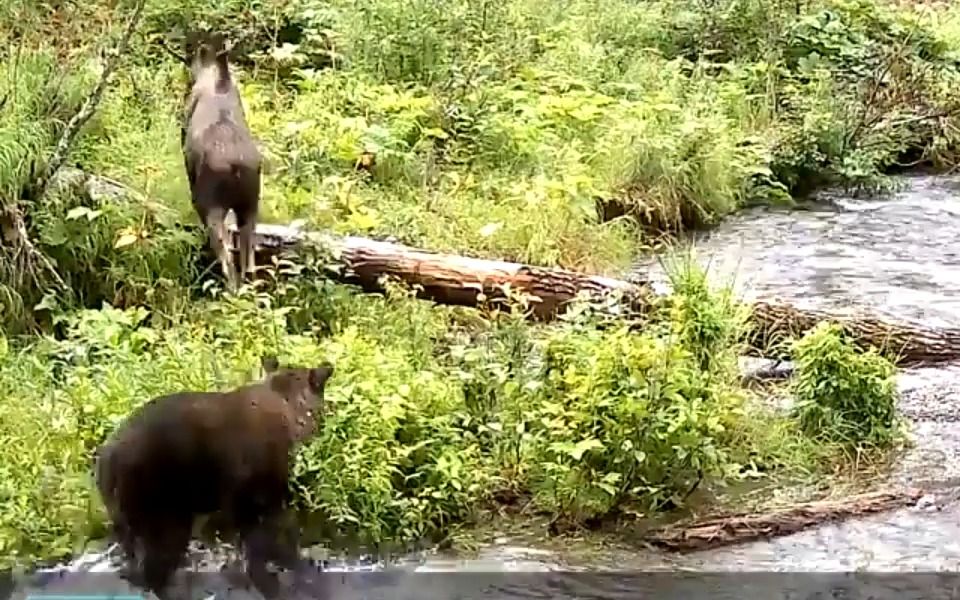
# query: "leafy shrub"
{"type": "Point", "coordinates": [622, 417]}
{"type": "Point", "coordinates": [843, 394]}
{"type": "Point", "coordinates": [39, 95]}
{"type": "Point", "coordinates": [391, 463]}
{"type": "Point", "coordinates": [629, 419]}
{"type": "Point", "coordinates": [707, 322]}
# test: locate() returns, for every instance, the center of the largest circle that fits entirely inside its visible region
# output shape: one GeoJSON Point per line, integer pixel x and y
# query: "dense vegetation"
{"type": "Point", "coordinates": [564, 133]}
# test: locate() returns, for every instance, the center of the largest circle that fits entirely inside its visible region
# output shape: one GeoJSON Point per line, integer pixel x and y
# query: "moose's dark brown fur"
{"type": "Point", "coordinates": [221, 158]}
{"type": "Point", "coordinates": [188, 454]}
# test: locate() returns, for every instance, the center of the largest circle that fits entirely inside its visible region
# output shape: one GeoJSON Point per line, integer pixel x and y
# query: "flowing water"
{"type": "Point", "coordinates": [899, 256]}
{"type": "Point", "coordinates": [896, 257]}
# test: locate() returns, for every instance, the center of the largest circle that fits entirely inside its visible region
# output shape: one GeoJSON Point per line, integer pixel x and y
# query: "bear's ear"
{"type": "Point", "coordinates": [319, 377]}
{"type": "Point", "coordinates": [269, 364]}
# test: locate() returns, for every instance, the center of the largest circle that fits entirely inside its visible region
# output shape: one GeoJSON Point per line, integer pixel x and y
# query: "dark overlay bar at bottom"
{"type": "Point", "coordinates": [406, 584]}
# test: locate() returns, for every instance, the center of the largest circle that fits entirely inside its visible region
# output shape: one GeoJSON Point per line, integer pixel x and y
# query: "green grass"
{"type": "Point", "coordinates": [571, 134]}
{"type": "Point", "coordinates": [571, 137]}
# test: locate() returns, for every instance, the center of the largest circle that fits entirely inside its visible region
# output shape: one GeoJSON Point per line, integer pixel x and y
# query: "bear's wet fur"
{"type": "Point", "coordinates": [187, 454]}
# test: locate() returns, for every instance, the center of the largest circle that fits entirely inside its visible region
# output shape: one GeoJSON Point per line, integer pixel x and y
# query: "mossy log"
{"type": "Point", "coordinates": [458, 280]}
{"type": "Point", "coordinates": [744, 527]}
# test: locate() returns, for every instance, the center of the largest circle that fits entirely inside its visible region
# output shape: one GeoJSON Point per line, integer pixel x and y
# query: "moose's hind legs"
{"type": "Point", "coordinates": [246, 238]}
{"type": "Point", "coordinates": [221, 243]}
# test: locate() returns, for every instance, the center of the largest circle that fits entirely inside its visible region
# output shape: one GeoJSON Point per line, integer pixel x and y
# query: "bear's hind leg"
{"type": "Point", "coordinates": [164, 545]}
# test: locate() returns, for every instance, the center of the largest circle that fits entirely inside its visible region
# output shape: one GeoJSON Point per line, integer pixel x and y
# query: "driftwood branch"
{"type": "Point", "coordinates": [23, 254]}
{"type": "Point", "coordinates": [23, 260]}
{"type": "Point", "coordinates": [738, 528]}
{"type": "Point", "coordinates": [180, 58]}
{"type": "Point", "coordinates": [775, 370]}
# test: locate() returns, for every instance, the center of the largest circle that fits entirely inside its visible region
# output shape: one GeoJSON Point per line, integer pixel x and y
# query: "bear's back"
{"type": "Point", "coordinates": [184, 452]}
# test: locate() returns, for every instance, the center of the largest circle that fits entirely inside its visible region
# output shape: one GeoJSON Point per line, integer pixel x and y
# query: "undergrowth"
{"type": "Point", "coordinates": [568, 134]}
{"type": "Point", "coordinates": [437, 414]}
{"type": "Point", "coordinates": [844, 394]}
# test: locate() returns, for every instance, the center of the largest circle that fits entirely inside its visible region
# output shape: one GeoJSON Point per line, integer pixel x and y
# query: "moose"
{"type": "Point", "coordinates": [221, 158]}
{"type": "Point", "coordinates": [184, 455]}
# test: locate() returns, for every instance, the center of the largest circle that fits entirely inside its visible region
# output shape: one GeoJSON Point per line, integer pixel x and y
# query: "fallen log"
{"type": "Point", "coordinates": [744, 527]}
{"type": "Point", "coordinates": [908, 343]}
{"type": "Point", "coordinates": [449, 278]}
{"type": "Point", "coordinates": [452, 279]}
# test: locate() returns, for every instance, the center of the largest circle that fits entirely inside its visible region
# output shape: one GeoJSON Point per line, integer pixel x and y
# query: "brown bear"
{"type": "Point", "coordinates": [188, 454]}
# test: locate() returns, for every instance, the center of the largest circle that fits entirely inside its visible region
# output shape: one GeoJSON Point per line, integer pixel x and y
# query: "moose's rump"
{"type": "Point", "coordinates": [226, 170]}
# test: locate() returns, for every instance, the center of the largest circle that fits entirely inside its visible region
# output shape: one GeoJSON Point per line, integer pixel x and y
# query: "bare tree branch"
{"type": "Point", "coordinates": [89, 107]}
{"type": "Point", "coordinates": [26, 255]}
